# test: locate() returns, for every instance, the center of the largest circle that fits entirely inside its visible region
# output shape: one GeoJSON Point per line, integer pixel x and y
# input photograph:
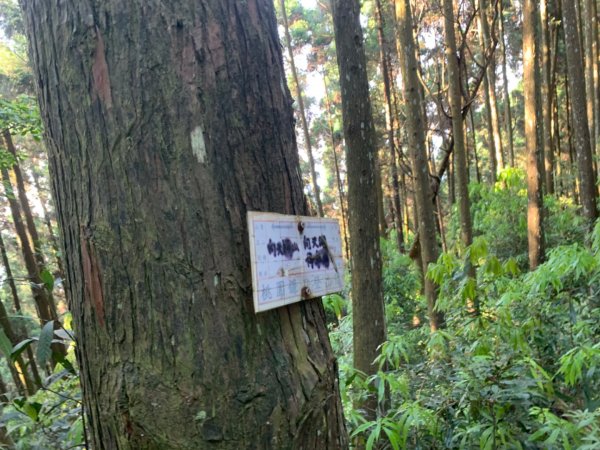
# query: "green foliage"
{"type": "Point", "coordinates": [523, 374]}
{"type": "Point", "coordinates": [21, 116]}
{"type": "Point", "coordinates": [52, 417]}
{"type": "Point", "coordinates": [500, 218]}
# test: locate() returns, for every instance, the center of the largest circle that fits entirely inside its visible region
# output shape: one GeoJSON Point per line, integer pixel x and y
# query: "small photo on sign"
{"type": "Point", "coordinates": [293, 258]}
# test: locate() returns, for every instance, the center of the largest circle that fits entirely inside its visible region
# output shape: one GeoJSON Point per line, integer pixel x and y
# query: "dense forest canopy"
{"type": "Point", "coordinates": [456, 142]}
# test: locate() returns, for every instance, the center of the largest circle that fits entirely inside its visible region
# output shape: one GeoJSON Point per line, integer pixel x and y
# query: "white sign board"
{"type": "Point", "coordinates": [293, 258]}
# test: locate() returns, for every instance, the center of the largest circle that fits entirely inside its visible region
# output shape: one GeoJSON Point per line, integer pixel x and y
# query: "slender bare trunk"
{"type": "Point", "coordinates": [548, 98]}
{"type": "Point", "coordinates": [302, 111]}
{"type": "Point", "coordinates": [508, 125]}
{"type": "Point", "coordinates": [389, 121]}
{"type": "Point", "coordinates": [532, 135]}
{"type": "Point", "coordinates": [484, 10]}
{"type": "Point", "coordinates": [581, 131]}
{"type": "Point", "coordinates": [361, 155]}
{"type": "Point", "coordinates": [416, 141]}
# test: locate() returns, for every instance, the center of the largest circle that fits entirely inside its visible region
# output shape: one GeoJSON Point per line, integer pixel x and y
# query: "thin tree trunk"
{"type": "Point", "coordinates": [302, 111]}
{"type": "Point", "coordinates": [187, 125]}
{"type": "Point", "coordinates": [460, 152]}
{"type": "Point", "coordinates": [361, 157]}
{"type": "Point", "coordinates": [18, 369]}
{"type": "Point", "coordinates": [548, 98]}
{"type": "Point", "coordinates": [491, 77]}
{"type": "Point", "coordinates": [474, 133]}
{"type": "Point", "coordinates": [44, 305]}
{"type": "Point", "coordinates": [24, 202]}
{"type": "Point", "coordinates": [581, 132]}
{"type": "Point", "coordinates": [489, 120]}
{"type": "Point", "coordinates": [587, 29]}
{"type": "Point", "coordinates": [387, 95]}
{"type": "Point", "coordinates": [532, 122]}
{"type": "Point", "coordinates": [420, 171]}
{"type": "Point", "coordinates": [48, 222]}
{"type": "Point", "coordinates": [508, 125]}
{"type": "Point", "coordinates": [338, 178]}
{"type": "Point", "coordinates": [17, 306]}
{"type": "Point", "coordinates": [596, 64]}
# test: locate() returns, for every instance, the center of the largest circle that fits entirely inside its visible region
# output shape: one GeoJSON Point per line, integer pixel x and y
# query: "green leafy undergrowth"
{"type": "Point", "coordinates": [522, 374]}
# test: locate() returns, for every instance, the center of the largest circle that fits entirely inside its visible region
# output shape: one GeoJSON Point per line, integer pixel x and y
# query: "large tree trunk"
{"type": "Point", "coordinates": [302, 111]}
{"type": "Point", "coordinates": [361, 156]}
{"type": "Point", "coordinates": [166, 123]}
{"type": "Point", "coordinates": [429, 250]}
{"type": "Point", "coordinates": [581, 131]}
{"type": "Point", "coordinates": [532, 136]}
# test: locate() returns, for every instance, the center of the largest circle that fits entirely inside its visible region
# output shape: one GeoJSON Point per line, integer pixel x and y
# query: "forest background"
{"type": "Point", "coordinates": [490, 263]}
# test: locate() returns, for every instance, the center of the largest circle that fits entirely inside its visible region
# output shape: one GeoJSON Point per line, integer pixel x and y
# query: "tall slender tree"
{"type": "Point", "coordinates": [587, 29]}
{"type": "Point", "coordinates": [384, 58]}
{"type": "Point", "coordinates": [580, 125]}
{"type": "Point", "coordinates": [361, 153]}
{"type": "Point", "coordinates": [46, 309]}
{"type": "Point", "coordinates": [458, 131]}
{"type": "Point", "coordinates": [493, 117]}
{"type": "Point", "coordinates": [508, 121]}
{"type": "Point", "coordinates": [547, 93]}
{"type": "Point", "coordinates": [429, 250]}
{"type": "Point", "coordinates": [302, 111]}
{"type": "Point", "coordinates": [531, 86]}
{"type": "Point", "coordinates": [166, 123]}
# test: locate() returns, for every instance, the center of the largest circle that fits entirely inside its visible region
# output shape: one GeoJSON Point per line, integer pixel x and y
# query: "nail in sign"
{"type": "Point", "coordinates": [293, 258]}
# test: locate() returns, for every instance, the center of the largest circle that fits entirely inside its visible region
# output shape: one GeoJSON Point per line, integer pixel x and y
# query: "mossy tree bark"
{"type": "Point", "coordinates": [166, 122]}
{"type": "Point", "coordinates": [361, 160]}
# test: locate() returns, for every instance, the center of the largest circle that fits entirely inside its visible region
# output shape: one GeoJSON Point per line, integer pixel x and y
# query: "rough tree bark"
{"type": "Point", "coordinates": [581, 131]}
{"type": "Point", "coordinates": [423, 194]}
{"type": "Point", "coordinates": [166, 122]}
{"type": "Point", "coordinates": [368, 319]}
{"type": "Point", "coordinates": [531, 86]}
